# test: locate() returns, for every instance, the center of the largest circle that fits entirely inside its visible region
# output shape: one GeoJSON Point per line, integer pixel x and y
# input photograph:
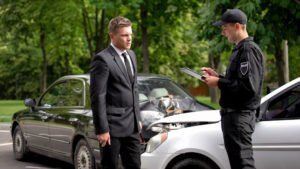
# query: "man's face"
{"type": "Point", "coordinates": [122, 38]}
{"type": "Point", "coordinates": [230, 32]}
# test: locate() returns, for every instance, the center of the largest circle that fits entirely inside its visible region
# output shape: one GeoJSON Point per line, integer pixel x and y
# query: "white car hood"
{"type": "Point", "coordinates": [209, 116]}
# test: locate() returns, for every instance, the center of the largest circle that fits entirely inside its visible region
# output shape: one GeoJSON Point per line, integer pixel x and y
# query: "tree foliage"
{"type": "Point", "coordinates": [41, 40]}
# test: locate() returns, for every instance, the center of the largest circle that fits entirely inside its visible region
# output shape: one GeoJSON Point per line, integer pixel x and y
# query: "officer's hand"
{"type": "Point", "coordinates": [104, 139]}
{"type": "Point", "coordinates": [209, 71]}
{"type": "Point", "coordinates": [212, 81]}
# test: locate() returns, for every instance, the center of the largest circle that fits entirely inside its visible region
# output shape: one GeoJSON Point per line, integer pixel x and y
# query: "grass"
{"type": "Point", "coordinates": [8, 107]}
{"type": "Point", "coordinates": [206, 100]}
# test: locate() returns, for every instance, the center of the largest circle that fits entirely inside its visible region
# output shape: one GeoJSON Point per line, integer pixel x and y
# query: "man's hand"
{"type": "Point", "coordinates": [104, 139]}
{"type": "Point", "coordinates": [209, 71]}
{"type": "Point", "coordinates": [212, 81]}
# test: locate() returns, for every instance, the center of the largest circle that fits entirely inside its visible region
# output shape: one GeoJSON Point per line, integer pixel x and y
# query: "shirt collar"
{"type": "Point", "coordinates": [117, 49]}
{"type": "Point", "coordinates": [242, 42]}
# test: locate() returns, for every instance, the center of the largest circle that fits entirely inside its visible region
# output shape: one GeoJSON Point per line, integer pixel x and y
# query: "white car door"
{"type": "Point", "coordinates": [276, 140]}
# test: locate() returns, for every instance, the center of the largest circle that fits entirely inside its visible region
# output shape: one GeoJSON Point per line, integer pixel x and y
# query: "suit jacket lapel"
{"type": "Point", "coordinates": [119, 62]}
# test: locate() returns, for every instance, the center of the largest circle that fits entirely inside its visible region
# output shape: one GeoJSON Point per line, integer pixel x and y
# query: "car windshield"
{"type": "Point", "coordinates": [165, 96]}
{"type": "Point", "coordinates": [156, 88]}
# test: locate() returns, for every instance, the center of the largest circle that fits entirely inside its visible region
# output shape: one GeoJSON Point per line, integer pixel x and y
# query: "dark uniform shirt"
{"type": "Point", "coordinates": [242, 85]}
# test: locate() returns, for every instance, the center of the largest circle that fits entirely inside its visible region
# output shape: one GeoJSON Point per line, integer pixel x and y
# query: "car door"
{"type": "Point", "coordinates": [66, 116]}
{"type": "Point", "coordinates": [36, 130]}
{"type": "Point", "coordinates": [276, 141]}
{"type": "Point", "coordinates": [36, 122]}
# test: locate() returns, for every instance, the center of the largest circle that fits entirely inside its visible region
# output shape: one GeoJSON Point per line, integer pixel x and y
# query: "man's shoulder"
{"type": "Point", "coordinates": [249, 46]}
{"type": "Point", "coordinates": [103, 54]}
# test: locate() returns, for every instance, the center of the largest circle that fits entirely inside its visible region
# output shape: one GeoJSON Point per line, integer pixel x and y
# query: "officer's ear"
{"type": "Point", "coordinates": [238, 26]}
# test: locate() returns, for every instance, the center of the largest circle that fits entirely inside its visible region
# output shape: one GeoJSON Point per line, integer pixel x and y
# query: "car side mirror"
{"type": "Point", "coordinates": [30, 102]}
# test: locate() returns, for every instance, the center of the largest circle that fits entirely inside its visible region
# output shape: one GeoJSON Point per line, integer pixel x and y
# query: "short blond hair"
{"type": "Point", "coordinates": [118, 22]}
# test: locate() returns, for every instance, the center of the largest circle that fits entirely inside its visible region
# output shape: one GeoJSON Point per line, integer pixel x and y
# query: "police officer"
{"type": "Point", "coordinates": [241, 89]}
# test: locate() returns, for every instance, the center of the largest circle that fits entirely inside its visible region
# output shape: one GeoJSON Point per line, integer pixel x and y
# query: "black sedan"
{"type": "Point", "coordinates": [59, 123]}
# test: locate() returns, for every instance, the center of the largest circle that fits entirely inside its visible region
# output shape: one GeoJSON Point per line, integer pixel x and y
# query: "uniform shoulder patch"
{"type": "Point", "coordinates": [244, 68]}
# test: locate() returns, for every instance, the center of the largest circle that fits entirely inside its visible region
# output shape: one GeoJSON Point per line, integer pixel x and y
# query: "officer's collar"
{"type": "Point", "coordinates": [243, 41]}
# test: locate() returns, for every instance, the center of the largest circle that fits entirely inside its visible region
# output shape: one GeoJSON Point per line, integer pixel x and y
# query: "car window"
{"type": "Point", "coordinates": [286, 106]}
{"type": "Point", "coordinates": [66, 93]}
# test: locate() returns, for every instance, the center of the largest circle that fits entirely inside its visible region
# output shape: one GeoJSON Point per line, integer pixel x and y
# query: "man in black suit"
{"type": "Point", "coordinates": [114, 98]}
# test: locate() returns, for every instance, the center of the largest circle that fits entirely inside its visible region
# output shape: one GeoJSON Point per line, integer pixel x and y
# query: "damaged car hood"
{"type": "Point", "coordinates": [209, 116]}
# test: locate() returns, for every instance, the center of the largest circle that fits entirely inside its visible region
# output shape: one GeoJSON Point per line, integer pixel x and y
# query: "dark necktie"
{"type": "Point", "coordinates": [128, 68]}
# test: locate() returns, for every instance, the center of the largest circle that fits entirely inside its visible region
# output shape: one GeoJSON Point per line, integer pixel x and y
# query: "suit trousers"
{"type": "Point", "coordinates": [129, 150]}
{"type": "Point", "coordinates": [238, 128]}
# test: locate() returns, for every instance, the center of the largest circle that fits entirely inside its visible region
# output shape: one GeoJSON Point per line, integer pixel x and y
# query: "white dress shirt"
{"type": "Point", "coordinates": [119, 52]}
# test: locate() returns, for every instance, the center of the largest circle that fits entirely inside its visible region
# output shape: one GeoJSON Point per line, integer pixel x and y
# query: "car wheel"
{"type": "Point", "coordinates": [19, 145]}
{"type": "Point", "coordinates": [192, 163]}
{"type": "Point", "coordinates": [83, 158]}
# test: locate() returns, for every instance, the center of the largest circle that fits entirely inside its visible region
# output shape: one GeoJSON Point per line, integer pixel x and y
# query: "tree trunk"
{"type": "Point", "coordinates": [45, 63]}
{"type": "Point", "coordinates": [87, 29]}
{"type": "Point", "coordinates": [100, 32]}
{"type": "Point", "coordinates": [102, 29]}
{"type": "Point", "coordinates": [145, 50]}
{"type": "Point", "coordinates": [67, 64]}
{"type": "Point", "coordinates": [96, 35]}
{"type": "Point", "coordinates": [286, 61]}
{"type": "Point", "coordinates": [214, 62]}
{"type": "Point", "coordinates": [281, 64]}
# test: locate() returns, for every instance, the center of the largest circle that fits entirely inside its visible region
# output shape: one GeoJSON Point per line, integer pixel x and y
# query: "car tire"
{"type": "Point", "coordinates": [19, 144]}
{"type": "Point", "coordinates": [192, 163]}
{"type": "Point", "coordinates": [83, 158]}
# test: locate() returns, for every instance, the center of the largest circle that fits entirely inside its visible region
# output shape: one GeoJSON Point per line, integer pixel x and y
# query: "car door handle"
{"type": "Point", "coordinates": [73, 120]}
{"type": "Point", "coordinates": [44, 117]}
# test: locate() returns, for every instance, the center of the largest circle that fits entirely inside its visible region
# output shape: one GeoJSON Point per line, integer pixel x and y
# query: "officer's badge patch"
{"type": "Point", "coordinates": [244, 68]}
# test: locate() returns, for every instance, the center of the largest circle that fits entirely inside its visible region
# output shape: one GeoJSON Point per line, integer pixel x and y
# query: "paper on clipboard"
{"type": "Point", "coordinates": [193, 73]}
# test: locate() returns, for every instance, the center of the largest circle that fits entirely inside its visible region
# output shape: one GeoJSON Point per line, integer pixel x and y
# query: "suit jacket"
{"type": "Point", "coordinates": [114, 99]}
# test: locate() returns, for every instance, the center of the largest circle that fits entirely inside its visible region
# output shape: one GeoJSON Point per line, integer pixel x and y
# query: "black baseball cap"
{"type": "Point", "coordinates": [232, 16]}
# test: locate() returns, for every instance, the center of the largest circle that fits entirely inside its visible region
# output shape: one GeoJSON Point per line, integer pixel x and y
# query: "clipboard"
{"type": "Point", "coordinates": [193, 73]}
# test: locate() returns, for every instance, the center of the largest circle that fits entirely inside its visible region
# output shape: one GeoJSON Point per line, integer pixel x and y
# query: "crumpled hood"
{"type": "Point", "coordinates": [210, 116]}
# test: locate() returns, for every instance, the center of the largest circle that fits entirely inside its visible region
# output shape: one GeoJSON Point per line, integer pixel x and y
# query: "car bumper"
{"type": "Point", "coordinates": [157, 161]}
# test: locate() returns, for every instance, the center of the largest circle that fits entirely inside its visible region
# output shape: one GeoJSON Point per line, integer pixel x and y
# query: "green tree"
{"type": "Point", "coordinates": [48, 39]}
{"type": "Point", "coordinates": [280, 22]}
{"type": "Point", "coordinates": [46, 25]}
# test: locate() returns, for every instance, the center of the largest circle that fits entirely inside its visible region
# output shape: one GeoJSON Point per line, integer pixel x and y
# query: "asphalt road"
{"type": "Point", "coordinates": [35, 161]}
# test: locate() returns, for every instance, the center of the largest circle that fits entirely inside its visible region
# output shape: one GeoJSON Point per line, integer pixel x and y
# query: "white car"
{"type": "Point", "coordinates": [194, 140]}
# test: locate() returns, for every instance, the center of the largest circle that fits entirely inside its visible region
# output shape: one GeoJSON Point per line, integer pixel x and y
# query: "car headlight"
{"type": "Point", "coordinates": [156, 141]}
{"type": "Point", "coordinates": [159, 128]}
